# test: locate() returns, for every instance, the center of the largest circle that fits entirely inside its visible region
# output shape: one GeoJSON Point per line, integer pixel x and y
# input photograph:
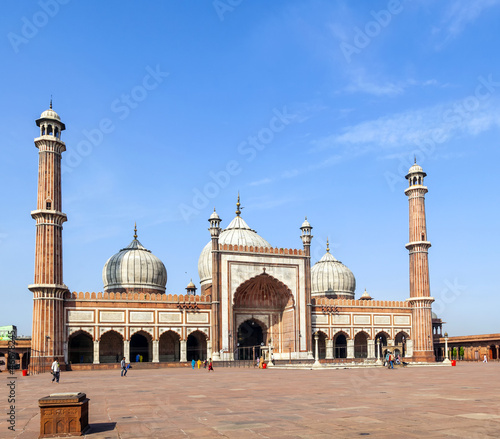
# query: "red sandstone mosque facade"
{"type": "Point", "coordinates": [254, 299]}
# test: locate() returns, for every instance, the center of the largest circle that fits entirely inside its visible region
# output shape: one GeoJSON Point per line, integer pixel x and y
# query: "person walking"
{"type": "Point", "coordinates": [198, 363]}
{"type": "Point", "coordinates": [56, 370]}
{"type": "Point", "coordinates": [210, 365]}
{"type": "Point", "coordinates": [124, 367]}
{"type": "Point", "coordinates": [485, 359]}
{"type": "Point", "coordinates": [193, 363]}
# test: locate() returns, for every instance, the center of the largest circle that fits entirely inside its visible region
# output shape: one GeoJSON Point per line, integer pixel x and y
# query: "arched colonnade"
{"type": "Point", "coordinates": [111, 347]}
{"type": "Point", "coordinates": [341, 345]}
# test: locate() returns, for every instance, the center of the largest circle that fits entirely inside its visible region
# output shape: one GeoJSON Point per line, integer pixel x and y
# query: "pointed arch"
{"type": "Point", "coordinates": [110, 347]}
{"type": "Point", "coordinates": [196, 345]}
{"type": "Point", "coordinates": [141, 346]}
{"type": "Point", "coordinates": [340, 344]}
{"type": "Point", "coordinates": [361, 345]}
{"type": "Point", "coordinates": [263, 291]}
{"type": "Point", "coordinates": [80, 347]}
{"type": "Point", "coordinates": [170, 346]}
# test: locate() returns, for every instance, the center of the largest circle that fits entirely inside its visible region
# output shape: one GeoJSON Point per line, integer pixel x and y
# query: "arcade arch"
{"type": "Point", "coordinates": [110, 347]}
{"type": "Point", "coordinates": [80, 348]}
{"type": "Point", "coordinates": [141, 347]}
{"type": "Point", "coordinates": [340, 345]}
{"type": "Point", "coordinates": [196, 346]}
{"type": "Point", "coordinates": [170, 346]}
{"type": "Point", "coordinates": [361, 345]}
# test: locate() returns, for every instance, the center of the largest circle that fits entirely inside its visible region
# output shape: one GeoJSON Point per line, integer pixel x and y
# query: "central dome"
{"type": "Point", "coordinates": [134, 269]}
{"type": "Point", "coordinates": [332, 278]}
{"type": "Point", "coordinates": [236, 233]}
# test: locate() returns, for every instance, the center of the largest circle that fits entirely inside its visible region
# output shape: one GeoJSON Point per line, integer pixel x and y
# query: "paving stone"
{"type": "Point", "coordinates": [439, 402]}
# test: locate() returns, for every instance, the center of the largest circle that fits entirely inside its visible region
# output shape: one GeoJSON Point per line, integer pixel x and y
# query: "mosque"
{"type": "Point", "coordinates": [254, 299]}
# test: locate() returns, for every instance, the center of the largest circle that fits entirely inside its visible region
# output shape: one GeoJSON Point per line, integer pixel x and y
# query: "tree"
{"type": "Point", "coordinates": [462, 352]}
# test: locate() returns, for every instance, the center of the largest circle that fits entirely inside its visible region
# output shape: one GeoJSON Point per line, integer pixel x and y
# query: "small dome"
{"type": "Point", "coordinates": [365, 296]}
{"type": "Point", "coordinates": [134, 268]}
{"type": "Point", "coordinates": [214, 215]}
{"type": "Point", "coordinates": [415, 169]}
{"type": "Point", "coordinates": [190, 285]}
{"type": "Point", "coordinates": [236, 233]}
{"type": "Point", "coordinates": [50, 114]}
{"type": "Point", "coordinates": [434, 315]}
{"type": "Point", "coordinates": [332, 278]}
{"type": "Point", "coordinates": [306, 224]}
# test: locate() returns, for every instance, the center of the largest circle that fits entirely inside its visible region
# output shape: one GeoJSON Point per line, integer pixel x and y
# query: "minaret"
{"type": "Point", "coordinates": [215, 230]}
{"type": "Point", "coordinates": [306, 237]}
{"type": "Point", "coordinates": [48, 287]}
{"type": "Point", "coordinates": [420, 298]}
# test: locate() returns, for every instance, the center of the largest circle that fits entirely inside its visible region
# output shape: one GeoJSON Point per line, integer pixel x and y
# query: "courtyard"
{"type": "Point", "coordinates": [411, 402]}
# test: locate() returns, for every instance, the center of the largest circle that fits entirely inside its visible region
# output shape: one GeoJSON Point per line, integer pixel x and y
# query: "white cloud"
{"type": "Point", "coordinates": [260, 182]}
{"type": "Point", "coordinates": [359, 84]}
{"type": "Point", "coordinates": [441, 122]}
{"type": "Point", "coordinates": [459, 14]}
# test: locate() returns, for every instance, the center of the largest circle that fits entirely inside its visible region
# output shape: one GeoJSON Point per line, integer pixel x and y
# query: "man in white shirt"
{"type": "Point", "coordinates": [56, 370]}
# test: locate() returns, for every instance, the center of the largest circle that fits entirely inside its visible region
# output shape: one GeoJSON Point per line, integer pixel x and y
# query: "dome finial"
{"type": "Point", "coordinates": [51, 102]}
{"type": "Point", "coordinates": [415, 159]}
{"type": "Point", "coordinates": [327, 245]}
{"type": "Point", "coordinates": [238, 211]}
{"type": "Point", "coordinates": [135, 230]}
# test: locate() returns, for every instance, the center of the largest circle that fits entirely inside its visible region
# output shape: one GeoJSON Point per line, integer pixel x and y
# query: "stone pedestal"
{"type": "Point", "coordinates": [64, 414]}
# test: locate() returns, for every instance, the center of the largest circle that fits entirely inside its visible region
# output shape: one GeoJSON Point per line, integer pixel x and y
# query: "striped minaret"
{"type": "Point", "coordinates": [48, 288]}
{"type": "Point", "coordinates": [420, 298]}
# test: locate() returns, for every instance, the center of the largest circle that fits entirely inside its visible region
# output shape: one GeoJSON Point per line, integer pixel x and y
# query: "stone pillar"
{"type": "Point", "coordinates": [379, 360]}
{"type": "Point", "coordinates": [126, 350]}
{"type": "Point", "coordinates": [21, 361]}
{"type": "Point", "coordinates": [329, 349]}
{"type": "Point", "coordinates": [96, 352]}
{"type": "Point", "coordinates": [446, 359]}
{"type": "Point", "coordinates": [183, 351]}
{"type": "Point", "coordinates": [156, 351]}
{"type": "Point", "coordinates": [371, 349]}
{"type": "Point", "coordinates": [409, 348]}
{"type": "Point", "coordinates": [209, 349]}
{"type": "Point", "coordinates": [350, 348]}
{"type": "Point", "coordinates": [316, 351]}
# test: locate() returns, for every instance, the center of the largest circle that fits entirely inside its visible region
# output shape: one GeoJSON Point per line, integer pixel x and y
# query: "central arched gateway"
{"type": "Point", "coordinates": [264, 315]}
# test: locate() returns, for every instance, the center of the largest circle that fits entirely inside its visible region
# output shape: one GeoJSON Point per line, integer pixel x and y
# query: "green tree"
{"type": "Point", "coordinates": [462, 352]}
{"type": "Point", "coordinates": [454, 353]}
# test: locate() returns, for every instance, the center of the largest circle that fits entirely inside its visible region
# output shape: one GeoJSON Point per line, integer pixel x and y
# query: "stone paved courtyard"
{"type": "Point", "coordinates": [430, 402]}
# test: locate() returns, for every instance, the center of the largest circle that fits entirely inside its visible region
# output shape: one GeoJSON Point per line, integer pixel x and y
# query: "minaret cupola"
{"type": "Point", "coordinates": [50, 123]}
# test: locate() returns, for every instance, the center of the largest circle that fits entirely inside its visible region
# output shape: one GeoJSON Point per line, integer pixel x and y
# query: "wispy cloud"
{"type": "Point", "coordinates": [260, 182]}
{"type": "Point", "coordinates": [414, 126]}
{"type": "Point", "coordinates": [458, 15]}
{"type": "Point", "coordinates": [359, 84]}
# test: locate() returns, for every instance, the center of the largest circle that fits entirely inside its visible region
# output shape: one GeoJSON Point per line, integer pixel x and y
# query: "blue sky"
{"type": "Point", "coordinates": [310, 108]}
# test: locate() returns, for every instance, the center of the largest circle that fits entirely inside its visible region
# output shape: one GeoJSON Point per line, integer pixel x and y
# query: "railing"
{"type": "Point", "coordinates": [39, 362]}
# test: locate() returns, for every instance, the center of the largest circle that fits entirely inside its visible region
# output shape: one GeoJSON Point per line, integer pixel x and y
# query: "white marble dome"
{"type": "Point", "coordinates": [332, 278]}
{"type": "Point", "coordinates": [50, 114]}
{"type": "Point", "coordinates": [236, 233]}
{"type": "Point", "coordinates": [134, 268]}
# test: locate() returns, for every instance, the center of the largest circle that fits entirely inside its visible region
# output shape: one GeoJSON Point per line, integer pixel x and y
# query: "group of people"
{"type": "Point", "coordinates": [391, 359]}
{"type": "Point", "coordinates": [205, 364]}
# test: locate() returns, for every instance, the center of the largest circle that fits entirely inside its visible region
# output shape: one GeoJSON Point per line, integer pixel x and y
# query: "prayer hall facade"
{"type": "Point", "coordinates": [254, 299]}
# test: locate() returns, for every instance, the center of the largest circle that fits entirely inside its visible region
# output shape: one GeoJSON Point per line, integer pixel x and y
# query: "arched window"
{"type": "Point", "coordinates": [43, 130]}
{"type": "Point", "coordinates": [56, 132]}
{"type": "Point", "coordinates": [49, 130]}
